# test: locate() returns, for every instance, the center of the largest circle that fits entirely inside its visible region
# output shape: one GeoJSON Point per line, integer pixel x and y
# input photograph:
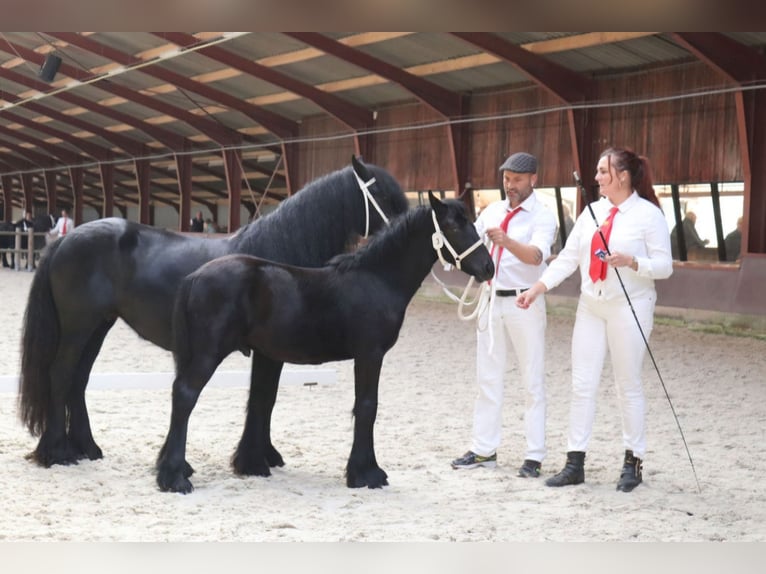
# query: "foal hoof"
{"type": "Point", "coordinates": [371, 478]}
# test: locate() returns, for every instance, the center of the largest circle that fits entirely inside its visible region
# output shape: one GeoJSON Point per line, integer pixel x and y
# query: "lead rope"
{"type": "Point", "coordinates": [484, 300]}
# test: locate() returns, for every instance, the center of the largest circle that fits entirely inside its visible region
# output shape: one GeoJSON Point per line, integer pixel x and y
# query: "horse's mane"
{"type": "Point", "coordinates": [394, 238]}
{"type": "Point", "coordinates": [313, 224]}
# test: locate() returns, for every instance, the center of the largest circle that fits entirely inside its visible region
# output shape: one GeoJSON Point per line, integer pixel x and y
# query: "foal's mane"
{"type": "Point", "coordinates": [395, 238]}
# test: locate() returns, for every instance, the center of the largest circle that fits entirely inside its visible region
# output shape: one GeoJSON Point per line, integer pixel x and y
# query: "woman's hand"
{"type": "Point", "coordinates": [528, 297]}
{"type": "Point", "coordinates": [617, 259]}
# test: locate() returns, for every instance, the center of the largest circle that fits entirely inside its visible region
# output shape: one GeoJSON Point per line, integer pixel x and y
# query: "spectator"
{"type": "Point", "coordinates": [733, 242]}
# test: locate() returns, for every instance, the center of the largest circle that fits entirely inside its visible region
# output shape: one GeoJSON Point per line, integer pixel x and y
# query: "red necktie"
{"type": "Point", "coordinates": [63, 229]}
{"type": "Point", "coordinates": [597, 266]}
{"type": "Point", "coordinates": [504, 227]}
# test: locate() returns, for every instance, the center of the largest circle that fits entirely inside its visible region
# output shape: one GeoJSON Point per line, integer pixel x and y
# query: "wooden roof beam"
{"type": "Point", "coordinates": [737, 62]}
{"type": "Point", "coordinates": [353, 116]}
{"type": "Point", "coordinates": [563, 83]}
{"type": "Point", "coordinates": [169, 139]}
{"type": "Point", "coordinates": [224, 136]}
{"type": "Point", "coordinates": [445, 102]}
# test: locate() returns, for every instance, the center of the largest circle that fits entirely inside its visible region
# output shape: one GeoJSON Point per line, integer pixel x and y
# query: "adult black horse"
{"type": "Point", "coordinates": [112, 268]}
{"type": "Point", "coordinates": [353, 308]}
{"type": "Point", "coordinates": [40, 223]}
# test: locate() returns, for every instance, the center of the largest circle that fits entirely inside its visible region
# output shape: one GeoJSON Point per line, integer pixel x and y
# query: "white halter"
{"type": "Point", "coordinates": [438, 240]}
{"type": "Point", "coordinates": [365, 187]}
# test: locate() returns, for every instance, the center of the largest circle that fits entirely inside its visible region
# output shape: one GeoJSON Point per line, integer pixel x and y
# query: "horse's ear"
{"type": "Point", "coordinates": [436, 204]}
{"type": "Point", "coordinates": [360, 169]}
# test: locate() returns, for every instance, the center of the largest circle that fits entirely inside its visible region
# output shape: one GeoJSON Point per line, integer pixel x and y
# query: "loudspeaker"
{"type": "Point", "coordinates": [49, 68]}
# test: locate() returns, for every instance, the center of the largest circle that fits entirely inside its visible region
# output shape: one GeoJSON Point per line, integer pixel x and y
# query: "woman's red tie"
{"type": "Point", "coordinates": [597, 265]}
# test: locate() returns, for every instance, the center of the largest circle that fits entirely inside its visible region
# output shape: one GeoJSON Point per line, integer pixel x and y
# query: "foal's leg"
{"type": "Point", "coordinates": [80, 435]}
{"type": "Point", "coordinates": [255, 453]}
{"type": "Point", "coordinates": [362, 468]}
{"type": "Point", "coordinates": [172, 469]}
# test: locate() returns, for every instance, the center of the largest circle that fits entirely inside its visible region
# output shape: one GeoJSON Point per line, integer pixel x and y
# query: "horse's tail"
{"type": "Point", "coordinates": [181, 342]}
{"type": "Point", "coordinates": [39, 343]}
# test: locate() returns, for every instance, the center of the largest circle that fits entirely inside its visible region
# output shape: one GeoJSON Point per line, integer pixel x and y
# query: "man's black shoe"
{"type": "Point", "coordinates": [530, 469]}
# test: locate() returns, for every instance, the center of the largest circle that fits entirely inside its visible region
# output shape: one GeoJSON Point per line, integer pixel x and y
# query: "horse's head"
{"type": "Point", "coordinates": [383, 196]}
{"type": "Point", "coordinates": [456, 240]}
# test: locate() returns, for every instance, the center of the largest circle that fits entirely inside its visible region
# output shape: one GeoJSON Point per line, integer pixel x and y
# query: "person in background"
{"type": "Point", "coordinates": [733, 242]}
{"type": "Point", "coordinates": [198, 224]}
{"type": "Point", "coordinates": [25, 223]}
{"type": "Point", "coordinates": [568, 225]}
{"type": "Point", "coordinates": [521, 229]}
{"type": "Point", "coordinates": [63, 226]}
{"type": "Point", "coordinates": [638, 245]}
{"type": "Point", "coordinates": [692, 239]}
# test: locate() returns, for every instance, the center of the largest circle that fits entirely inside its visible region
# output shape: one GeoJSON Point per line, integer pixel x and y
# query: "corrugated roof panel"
{"type": "Point", "coordinates": [131, 43]}
{"type": "Point", "coordinates": [419, 48]}
{"type": "Point", "coordinates": [258, 45]}
{"type": "Point", "coordinates": [480, 78]}
{"type": "Point", "coordinates": [754, 39]}
{"type": "Point", "coordinates": [322, 70]}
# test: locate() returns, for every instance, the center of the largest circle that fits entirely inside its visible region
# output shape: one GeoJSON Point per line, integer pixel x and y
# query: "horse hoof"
{"type": "Point", "coordinates": [244, 467]}
{"type": "Point", "coordinates": [274, 458]}
{"type": "Point", "coordinates": [47, 459]}
{"type": "Point", "coordinates": [174, 483]}
{"type": "Point", "coordinates": [188, 470]}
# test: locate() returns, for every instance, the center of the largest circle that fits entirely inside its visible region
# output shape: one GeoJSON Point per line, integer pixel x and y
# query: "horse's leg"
{"type": "Point", "coordinates": [255, 453]}
{"type": "Point", "coordinates": [172, 469]}
{"type": "Point", "coordinates": [362, 468]}
{"type": "Point", "coordinates": [54, 446]}
{"type": "Point", "coordinates": [80, 435]}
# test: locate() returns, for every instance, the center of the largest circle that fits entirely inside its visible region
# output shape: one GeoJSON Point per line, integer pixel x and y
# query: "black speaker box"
{"type": "Point", "coordinates": [49, 68]}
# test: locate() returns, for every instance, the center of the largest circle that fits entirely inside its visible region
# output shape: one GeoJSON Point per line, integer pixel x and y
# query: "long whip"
{"type": "Point", "coordinates": [579, 183]}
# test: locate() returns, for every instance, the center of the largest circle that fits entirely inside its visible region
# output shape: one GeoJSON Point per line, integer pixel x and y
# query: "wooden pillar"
{"type": "Point", "coordinates": [27, 187]}
{"type": "Point", "coordinates": [751, 108]}
{"type": "Point", "coordinates": [184, 176]}
{"type": "Point", "coordinates": [107, 187]}
{"type": "Point", "coordinates": [290, 162]}
{"type": "Point", "coordinates": [584, 153]}
{"type": "Point", "coordinates": [51, 182]}
{"type": "Point", "coordinates": [7, 182]}
{"type": "Point", "coordinates": [76, 177]}
{"type": "Point", "coordinates": [232, 163]}
{"type": "Point", "coordinates": [143, 182]}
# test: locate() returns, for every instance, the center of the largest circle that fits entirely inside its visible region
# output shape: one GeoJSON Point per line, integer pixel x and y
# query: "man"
{"type": "Point", "coordinates": [691, 238]}
{"type": "Point", "coordinates": [198, 224]}
{"type": "Point", "coordinates": [521, 229]}
{"type": "Point", "coordinates": [26, 223]}
{"type": "Point", "coordinates": [63, 226]}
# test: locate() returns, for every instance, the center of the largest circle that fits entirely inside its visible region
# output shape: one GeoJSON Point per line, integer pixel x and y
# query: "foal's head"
{"type": "Point", "coordinates": [456, 240]}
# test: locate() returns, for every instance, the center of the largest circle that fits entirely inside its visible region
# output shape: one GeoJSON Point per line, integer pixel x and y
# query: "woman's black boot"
{"type": "Point", "coordinates": [572, 473]}
{"type": "Point", "coordinates": [630, 477]}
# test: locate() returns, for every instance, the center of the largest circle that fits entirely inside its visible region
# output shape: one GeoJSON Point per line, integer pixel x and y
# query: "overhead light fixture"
{"type": "Point", "coordinates": [49, 68]}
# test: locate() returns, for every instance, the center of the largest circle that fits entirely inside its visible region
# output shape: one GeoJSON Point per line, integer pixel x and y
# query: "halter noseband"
{"type": "Point", "coordinates": [365, 187]}
{"type": "Point", "coordinates": [439, 240]}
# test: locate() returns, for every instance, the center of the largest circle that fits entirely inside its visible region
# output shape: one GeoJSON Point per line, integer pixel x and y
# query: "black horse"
{"type": "Point", "coordinates": [351, 309]}
{"type": "Point", "coordinates": [111, 268]}
{"type": "Point", "coordinates": [40, 223]}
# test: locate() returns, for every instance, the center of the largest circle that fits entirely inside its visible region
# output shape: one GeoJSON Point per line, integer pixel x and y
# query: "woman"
{"type": "Point", "coordinates": [638, 245]}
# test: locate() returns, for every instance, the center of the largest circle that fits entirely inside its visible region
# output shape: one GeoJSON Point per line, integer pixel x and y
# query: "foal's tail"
{"type": "Point", "coordinates": [181, 342]}
{"type": "Point", "coordinates": [39, 344]}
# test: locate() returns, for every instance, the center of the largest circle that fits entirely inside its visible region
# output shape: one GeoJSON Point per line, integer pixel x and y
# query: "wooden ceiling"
{"type": "Point", "coordinates": [121, 97]}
